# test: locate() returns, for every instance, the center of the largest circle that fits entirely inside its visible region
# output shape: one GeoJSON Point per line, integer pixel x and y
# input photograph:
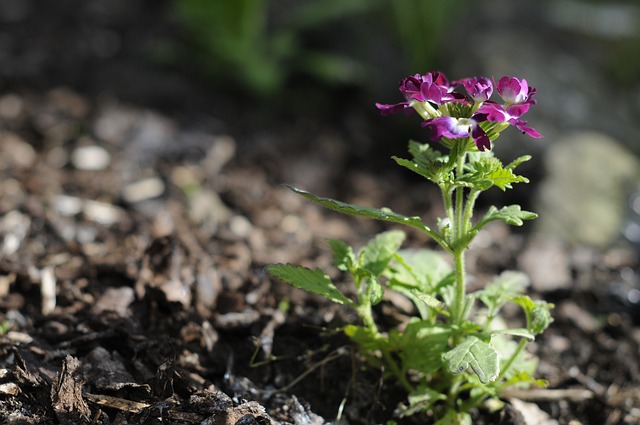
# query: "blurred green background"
{"type": "Point", "coordinates": [256, 66]}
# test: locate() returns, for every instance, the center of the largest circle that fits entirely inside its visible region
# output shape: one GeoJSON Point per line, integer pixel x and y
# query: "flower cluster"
{"type": "Point", "coordinates": [449, 114]}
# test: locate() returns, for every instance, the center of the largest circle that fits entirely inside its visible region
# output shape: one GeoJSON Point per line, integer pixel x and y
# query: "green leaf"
{"type": "Point", "coordinates": [482, 357]}
{"type": "Point", "coordinates": [429, 300]}
{"type": "Point", "coordinates": [384, 214]}
{"type": "Point", "coordinates": [364, 337]}
{"type": "Point", "coordinates": [424, 154]}
{"type": "Point", "coordinates": [422, 269]}
{"type": "Point", "coordinates": [519, 332]}
{"type": "Point", "coordinates": [511, 214]}
{"type": "Point", "coordinates": [503, 178]}
{"type": "Point", "coordinates": [315, 281]}
{"type": "Point", "coordinates": [375, 256]}
{"type": "Point", "coordinates": [455, 418]}
{"type": "Point", "coordinates": [524, 362]}
{"type": "Point", "coordinates": [487, 171]}
{"type": "Point", "coordinates": [524, 379]}
{"type": "Point", "coordinates": [421, 345]}
{"type": "Point", "coordinates": [376, 291]}
{"type": "Point", "coordinates": [538, 313]}
{"type": "Point", "coordinates": [422, 399]}
{"type": "Point", "coordinates": [502, 289]}
{"type": "Point", "coordinates": [436, 171]}
{"type": "Point", "coordinates": [343, 255]}
{"type": "Point", "coordinates": [513, 164]}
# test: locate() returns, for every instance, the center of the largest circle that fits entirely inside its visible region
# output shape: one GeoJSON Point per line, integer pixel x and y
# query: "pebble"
{"type": "Point", "coordinates": [142, 190]}
{"type": "Point", "coordinates": [90, 158]}
{"type": "Point", "coordinates": [102, 212]}
{"type": "Point", "coordinates": [115, 299]}
{"type": "Point", "coordinates": [16, 150]}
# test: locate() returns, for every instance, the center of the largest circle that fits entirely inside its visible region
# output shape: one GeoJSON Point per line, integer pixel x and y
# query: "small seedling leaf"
{"type": "Point", "coordinates": [315, 281]}
{"type": "Point", "coordinates": [538, 313]}
{"type": "Point", "coordinates": [422, 269]}
{"type": "Point", "coordinates": [482, 357]}
{"type": "Point", "coordinates": [421, 345]}
{"type": "Point", "coordinates": [376, 291]}
{"type": "Point", "coordinates": [375, 256]}
{"type": "Point", "coordinates": [343, 255]}
{"type": "Point", "coordinates": [511, 214]}
{"type": "Point", "coordinates": [364, 337]}
{"type": "Point", "coordinates": [502, 289]}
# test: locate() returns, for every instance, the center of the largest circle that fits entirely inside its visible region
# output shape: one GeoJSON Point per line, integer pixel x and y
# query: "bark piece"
{"type": "Point", "coordinates": [66, 394]}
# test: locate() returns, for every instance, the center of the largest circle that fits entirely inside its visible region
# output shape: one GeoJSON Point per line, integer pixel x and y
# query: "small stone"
{"type": "Point", "coordinates": [116, 300]}
{"type": "Point", "coordinates": [142, 190]}
{"type": "Point", "coordinates": [102, 212]}
{"type": "Point", "coordinates": [90, 158]}
{"type": "Point", "coordinates": [16, 150]}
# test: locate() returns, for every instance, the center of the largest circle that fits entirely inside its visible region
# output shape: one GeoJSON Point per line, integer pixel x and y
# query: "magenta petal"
{"type": "Point", "coordinates": [481, 139]}
{"type": "Point", "coordinates": [493, 112]}
{"type": "Point", "coordinates": [516, 111]}
{"type": "Point", "coordinates": [446, 126]}
{"type": "Point", "coordinates": [392, 109]}
{"type": "Point", "coordinates": [522, 126]}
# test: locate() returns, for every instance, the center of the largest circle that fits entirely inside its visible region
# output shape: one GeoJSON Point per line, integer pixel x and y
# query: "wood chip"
{"type": "Point", "coordinates": [117, 403]}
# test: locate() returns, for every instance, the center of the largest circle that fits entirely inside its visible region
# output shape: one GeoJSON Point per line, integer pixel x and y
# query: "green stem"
{"type": "Point", "coordinates": [458, 230]}
{"type": "Point", "coordinates": [513, 357]}
{"type": "Point", "coordinates": [468, 211]}
{"type": "Point", "coordinates": [459, 294]}
{"type": "Point", "coordinates": [366, 314]}
{"type": "Point", "coordinates": [447, 193]}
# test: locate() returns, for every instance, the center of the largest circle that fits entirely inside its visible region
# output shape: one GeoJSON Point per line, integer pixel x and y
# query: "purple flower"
{"type": "Point", "coordinates": [431, 94]}
{"type": "Point", "coordinates": [457, 128]}
{"type": "Point", "coordinates": [515, 92]}
{"type": "Point", "coordinates": [479, 88]}
{"type": "Point", "coordinates": [431, 87]}
{"type": "Point", "coordinates": [493, 112]}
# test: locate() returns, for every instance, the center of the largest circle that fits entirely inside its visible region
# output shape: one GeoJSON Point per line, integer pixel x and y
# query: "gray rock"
{"type": "Point", "coordinates": [583, 198]}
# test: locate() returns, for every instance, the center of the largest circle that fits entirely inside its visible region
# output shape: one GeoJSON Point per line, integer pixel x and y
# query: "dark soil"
{"type": "Point", "coordinates": [132, 282]}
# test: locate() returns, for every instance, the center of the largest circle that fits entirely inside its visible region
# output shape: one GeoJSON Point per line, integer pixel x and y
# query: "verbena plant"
{"type": "Point", "coordinates": [457, 353]}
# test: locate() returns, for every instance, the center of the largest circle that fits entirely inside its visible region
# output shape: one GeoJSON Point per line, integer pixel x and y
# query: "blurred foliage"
{"type": "Point", "coordinates": [259, 45]}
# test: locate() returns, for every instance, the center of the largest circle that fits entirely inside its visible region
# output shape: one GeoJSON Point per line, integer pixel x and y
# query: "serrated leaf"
{"type": "Point", "coordinates": [482, 357]}
{"type": "Point", "coordinates": [487, 171]}
{"type": "Point", "coordinates": [511, 214]}
{"type": "Point", "coordinates": [421, 345]}
{"type": "Point", "coordinates": [513, 164]}
{"type": "Point", "coordinates": [384, 214]}
{"type": "Point", "coordinates": [375, 256]}
{"type": "Point", "coordinates": [343, 256]}
{"type": "Point", "coordinates": [315, 281]}
{"type": "Point", "coordinates": [503, 178]}
{"type": "Point", "coordinates": [435, 171]}
{"type": "Point", "coordinates": [423, 153]}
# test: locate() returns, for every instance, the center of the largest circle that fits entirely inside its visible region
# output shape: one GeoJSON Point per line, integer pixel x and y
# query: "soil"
{"type": "Point", "coordinates": [132, 269]}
